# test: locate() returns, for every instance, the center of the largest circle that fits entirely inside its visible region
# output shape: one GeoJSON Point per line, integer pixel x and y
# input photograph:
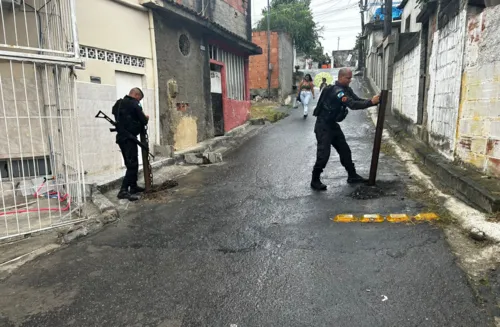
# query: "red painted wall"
{"type": "Point", "coordinates": [236, 113]}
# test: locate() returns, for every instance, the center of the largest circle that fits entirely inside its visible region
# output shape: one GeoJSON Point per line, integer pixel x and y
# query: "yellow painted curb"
{"type": "Point", "coordinates": [398, 218]}
{"type": "Point", "coordinates": [372, 219]}
{"type": "Point", "coordinates": [345, 219]}
{"type": "Point", "coordinates": [426, 216]}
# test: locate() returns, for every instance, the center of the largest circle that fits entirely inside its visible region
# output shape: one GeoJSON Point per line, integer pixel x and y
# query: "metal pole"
{"type": "Point", "coordinates": [268, 50]}
{"type": "Point", "coordinates": [378, 138]}
{"type": "Point", "coordinates": [145, 164]}
{"type": "Point", "coordinates": [388, 18]}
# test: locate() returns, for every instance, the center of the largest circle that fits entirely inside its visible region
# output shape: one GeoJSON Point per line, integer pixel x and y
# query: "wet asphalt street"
{"type": "Point", "coordinates": [248, 243]}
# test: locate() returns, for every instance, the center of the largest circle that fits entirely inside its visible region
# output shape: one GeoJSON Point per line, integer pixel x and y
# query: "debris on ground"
{"type": "Point", "coordinates": [477, 234]}
{"type": "Point", "coordinates": [365, 192]}
{"type": "Point", "coordinates": [382, 189]}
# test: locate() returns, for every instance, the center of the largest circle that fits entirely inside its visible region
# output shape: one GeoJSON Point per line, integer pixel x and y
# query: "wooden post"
{"type": "Point", "coordinates": [378, 137]}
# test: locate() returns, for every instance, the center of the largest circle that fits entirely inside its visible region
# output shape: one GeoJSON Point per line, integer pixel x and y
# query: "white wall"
{"type": "Point", "coordinates": [445, 73]}
{"type": "Point", "coordinates": [411, 9]}
{"type": "Point", "coordinates": [128, 37]}
{"type": "Point", "coordinates": [405, 85]}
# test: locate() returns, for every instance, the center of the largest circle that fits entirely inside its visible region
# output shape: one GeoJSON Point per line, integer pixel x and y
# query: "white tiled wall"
{"type": "Point", "coordinates": [405, 85]}
{"type": "Point", "coordinates": [100, 153]}
{"type": "Point", "coordinates": [445, 83]}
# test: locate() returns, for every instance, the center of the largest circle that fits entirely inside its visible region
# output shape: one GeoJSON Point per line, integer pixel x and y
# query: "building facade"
{"type": "Point", "coordinates": [445, 80]}
{"type": "Point", "coordinates": [117, 57]}
{"type": "Point", "coordinates": [202, 68]}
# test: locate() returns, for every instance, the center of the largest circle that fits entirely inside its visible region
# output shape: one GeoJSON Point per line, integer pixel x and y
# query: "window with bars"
{"type": "Point", "coordinates": [235, 71]}
{"type": "Point", "coordinates": [25, 168]}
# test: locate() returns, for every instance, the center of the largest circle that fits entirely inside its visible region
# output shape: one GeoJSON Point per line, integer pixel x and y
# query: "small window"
{"type": "Point", "coordinates": [407, 24]}
{"type": "Point", "coordinates": [184, 44]}
{"type": "Point", "coordinates": [25, 168]}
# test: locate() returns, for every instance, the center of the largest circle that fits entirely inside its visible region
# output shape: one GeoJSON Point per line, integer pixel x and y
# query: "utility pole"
{"type": "Point", "coordinates": [384, 97]}
{"type": "Point", "coordinates": [268, 50]}
{"type": "Point", "coordinates": [338, 43]}
{"type": "Point", "coordinates": [361, 62]}
{"type": "Point", "coordinates": [388, 18]}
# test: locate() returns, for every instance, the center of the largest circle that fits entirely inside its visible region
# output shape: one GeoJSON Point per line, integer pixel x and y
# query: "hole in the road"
{"type": "Point", "coordinates": [381, 189]}
{"type": "Point", "coordinates": [168, 184]}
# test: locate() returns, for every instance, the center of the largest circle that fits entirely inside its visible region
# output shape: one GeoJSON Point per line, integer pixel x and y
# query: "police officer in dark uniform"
{"type": "Point", "coordinates": [131, 120]}
{"type": "Point", "coordinates": [330, 110]}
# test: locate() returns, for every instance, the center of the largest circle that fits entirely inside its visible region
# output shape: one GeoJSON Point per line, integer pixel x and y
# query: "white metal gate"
{"type": "Point", "coordinates": [41, 172]}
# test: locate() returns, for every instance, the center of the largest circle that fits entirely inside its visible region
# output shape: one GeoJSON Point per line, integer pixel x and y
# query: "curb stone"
{"type": "Point", "coordinates": [469, 218]}
{"type": "Point", "coordinates": [104, 205]}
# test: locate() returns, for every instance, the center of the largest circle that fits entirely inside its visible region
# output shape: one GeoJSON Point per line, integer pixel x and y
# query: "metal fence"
{"type": "Point", "coordinates": [41, 171]}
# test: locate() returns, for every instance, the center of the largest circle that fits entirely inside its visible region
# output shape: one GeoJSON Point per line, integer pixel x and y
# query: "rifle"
{"type": "Point", "coordinates": [143, 146]}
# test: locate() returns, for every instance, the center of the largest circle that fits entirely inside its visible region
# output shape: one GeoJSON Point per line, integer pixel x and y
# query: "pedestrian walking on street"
{"type": "Point", "coordinates": [323, 84]}
{"type": "Point", "coordinates": [306, 90]}
{"type": "Point", "coordinates": [131, 121]}
{"type": "Point", "coordinates": [331, 110]}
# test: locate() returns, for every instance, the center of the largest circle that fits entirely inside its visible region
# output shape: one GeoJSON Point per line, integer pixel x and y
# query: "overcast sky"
{"type": "Point", "coordinates": [340, 19]}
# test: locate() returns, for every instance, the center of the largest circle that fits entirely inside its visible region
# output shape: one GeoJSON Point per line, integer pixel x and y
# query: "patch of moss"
{"type": "Point", "coordinates": [268, 112]}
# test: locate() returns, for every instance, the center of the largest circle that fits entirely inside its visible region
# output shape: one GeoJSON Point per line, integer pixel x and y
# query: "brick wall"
{"type": "Point", "coordinates": [405, 85]}
{"type": "Point", "coordinates": [445, 72]}
{"type": "Point", "coordinates": [479, 120]}
{"type": "Point", "coordinates": [258, 64]}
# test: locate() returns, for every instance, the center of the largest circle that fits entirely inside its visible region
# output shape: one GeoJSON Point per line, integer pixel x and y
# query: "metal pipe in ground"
{"type": "Point", "coordinates": [378, 138]}
{"type": "Point", "coordinates": [145, 164]}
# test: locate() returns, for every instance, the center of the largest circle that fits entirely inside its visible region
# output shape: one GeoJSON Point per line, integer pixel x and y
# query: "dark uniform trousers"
{"type": "Point", "coordinates": [328, 136]}
{"type": "Point", "coordinates": [131, 158]}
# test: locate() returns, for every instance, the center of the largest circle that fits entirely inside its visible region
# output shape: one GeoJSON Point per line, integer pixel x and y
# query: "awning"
{"type": "Point", "coordinates": [199, 20]}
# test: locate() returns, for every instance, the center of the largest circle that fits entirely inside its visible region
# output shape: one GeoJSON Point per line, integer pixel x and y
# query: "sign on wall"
{"type": "Point", "coordinates": [215, 82]}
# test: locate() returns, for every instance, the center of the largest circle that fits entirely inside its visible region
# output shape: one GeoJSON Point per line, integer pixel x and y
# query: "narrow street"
{"type": "Point", "coordinates": [248, 243]}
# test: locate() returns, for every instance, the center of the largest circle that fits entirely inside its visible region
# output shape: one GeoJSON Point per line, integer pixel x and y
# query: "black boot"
{"type": "Point", "coordinates": [124, 194]}
{"type": "Point", "coordinates": [136, 189]}
{"type": "Point", "coordinates": [354, 178]}
{"type": "Point", "coordinates": [316, 182]}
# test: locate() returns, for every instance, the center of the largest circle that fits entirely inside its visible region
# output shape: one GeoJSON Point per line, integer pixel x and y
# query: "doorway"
{"type": "Point", "coordinates": [124, 83]}
{"type": "Point", "coordinates": [216, 95]}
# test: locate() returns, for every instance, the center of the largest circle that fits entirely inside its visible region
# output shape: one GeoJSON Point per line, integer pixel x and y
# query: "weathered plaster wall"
{"type": "Point", "coordinates": [340, 58]}
{"type": "Point", "coordinates": [405, 85]}
{"type": "Point", "coordinates": [479, 120]}
{"type": "Point", "coordinates": [285, 53]}
{"type": "Point", "coordinates": [181, 126]}
{"type": "Point", "coordinates": [445, 72]}
{"type": "Point", "coordinates": [231, 14]}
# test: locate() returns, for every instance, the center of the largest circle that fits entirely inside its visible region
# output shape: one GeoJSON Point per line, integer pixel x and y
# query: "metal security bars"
{"type": "Point", "coordinates": [41, 184]}
{"type": "Point", "coordinates": [43, 27]}
{"type": "Point", "coordinates": [235, 71]}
